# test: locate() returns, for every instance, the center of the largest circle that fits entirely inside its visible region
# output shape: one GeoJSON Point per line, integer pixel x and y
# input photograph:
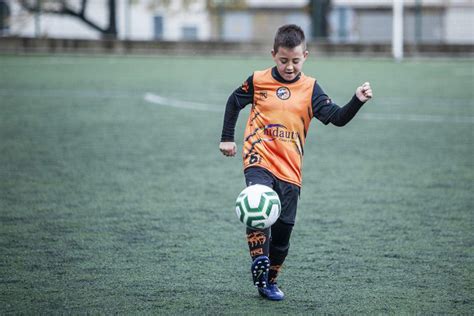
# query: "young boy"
{"type": "Point", "coordinates": [284, 101]}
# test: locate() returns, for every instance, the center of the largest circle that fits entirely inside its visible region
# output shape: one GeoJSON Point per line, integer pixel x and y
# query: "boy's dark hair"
{"type": "Point", "coordinates": [289, 36]}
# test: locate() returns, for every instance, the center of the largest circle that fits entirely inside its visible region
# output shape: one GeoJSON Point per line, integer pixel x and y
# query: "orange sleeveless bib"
{"type": "Point", "coordinates": [277, 126]}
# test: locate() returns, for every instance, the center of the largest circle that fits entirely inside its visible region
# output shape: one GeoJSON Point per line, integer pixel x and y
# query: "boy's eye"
{"type": "Point", "coordinates": [283, 61]}
{"type": "Point", "coordinates": [295, 61]}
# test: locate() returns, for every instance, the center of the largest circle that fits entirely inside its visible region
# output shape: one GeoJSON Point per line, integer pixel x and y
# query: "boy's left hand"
{"type": "Point", "coordinates": [364, 92]}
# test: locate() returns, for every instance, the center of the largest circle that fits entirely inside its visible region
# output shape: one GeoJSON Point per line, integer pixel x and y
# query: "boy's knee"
{"type": "Point", "coordinates": [281, 233]}
{"type": "Point", "coordinates": [289, 204]}
{"type": "Point", "coordinates": [288, 220]}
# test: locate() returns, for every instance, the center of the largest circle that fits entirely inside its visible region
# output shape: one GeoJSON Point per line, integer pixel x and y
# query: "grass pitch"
{"type": "Point", "coordinates": [113, 204]}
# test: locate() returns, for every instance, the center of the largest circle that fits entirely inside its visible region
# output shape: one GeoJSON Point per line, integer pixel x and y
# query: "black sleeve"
{"type": "Point", "coordinates": [328, 112]}
{"type": "Point", "coordinates": [236, 102]}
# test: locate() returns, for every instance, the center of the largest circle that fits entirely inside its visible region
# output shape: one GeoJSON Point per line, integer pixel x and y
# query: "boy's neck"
{"type": "Point", "coordinates": [276, 75]}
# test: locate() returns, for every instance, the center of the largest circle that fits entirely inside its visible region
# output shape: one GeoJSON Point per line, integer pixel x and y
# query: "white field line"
{"type": "Point", "coordinates": [156, 99]}
{"type": "Point", "coordinates": [66, 93]}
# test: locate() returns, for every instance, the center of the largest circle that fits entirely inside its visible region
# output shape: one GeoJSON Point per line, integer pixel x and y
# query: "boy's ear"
{"type": "Point", "coordinates": [306, 53]}
{"type": "Point", "coordinates": [273, 53]}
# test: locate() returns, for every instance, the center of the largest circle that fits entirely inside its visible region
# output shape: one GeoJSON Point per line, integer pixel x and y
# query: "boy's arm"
{"type": "Point", "coordinates": [236, 102]}
{"type": "Point", "coordinates": [328, 112]}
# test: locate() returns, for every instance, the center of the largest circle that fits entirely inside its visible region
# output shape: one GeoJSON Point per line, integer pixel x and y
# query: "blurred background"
{"type": "Point", "coordinates": [430, 27]}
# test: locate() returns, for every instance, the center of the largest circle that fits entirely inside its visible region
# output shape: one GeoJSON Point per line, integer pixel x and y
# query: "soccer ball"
{"type": "Point", "coordinates": [258, 206]}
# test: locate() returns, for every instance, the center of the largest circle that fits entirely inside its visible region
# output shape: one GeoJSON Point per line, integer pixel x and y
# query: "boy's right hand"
{"type": "Point", "coordinates": [228, 149]}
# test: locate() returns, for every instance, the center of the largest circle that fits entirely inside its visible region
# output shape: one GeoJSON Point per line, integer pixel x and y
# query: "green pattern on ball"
{"type": "Point", "coordinates": [245, 208]}
{"type": "Point", "coordinates": [242, 212]}
{"type": "Point", "coordinates": [273, 200]}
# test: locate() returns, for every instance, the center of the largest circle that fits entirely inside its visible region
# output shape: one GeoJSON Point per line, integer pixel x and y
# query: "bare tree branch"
{"type": "Point", "coordinates": [65, 9]}
{"type": "Point", "coordinates": [83, 7]}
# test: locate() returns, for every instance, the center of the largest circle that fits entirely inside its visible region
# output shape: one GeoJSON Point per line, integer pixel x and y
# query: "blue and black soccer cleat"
{"type": "Point", "coordinates": [259, 269]}
{"type": "Point", "coordinates": [271, 292]}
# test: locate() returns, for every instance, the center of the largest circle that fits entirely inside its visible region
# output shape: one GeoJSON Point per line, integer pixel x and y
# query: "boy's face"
{"type": "Point", "coordinates": [290, 61]}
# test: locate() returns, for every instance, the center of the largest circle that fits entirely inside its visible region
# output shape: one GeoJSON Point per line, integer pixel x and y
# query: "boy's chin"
{"type": "Point", "coordinates": [289, 77]}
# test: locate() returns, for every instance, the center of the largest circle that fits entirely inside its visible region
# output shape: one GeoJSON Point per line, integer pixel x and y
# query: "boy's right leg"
{"type": "Point", "coordinates": [259, 239]}
{"type": "Point", "coordinates": [259, 242]}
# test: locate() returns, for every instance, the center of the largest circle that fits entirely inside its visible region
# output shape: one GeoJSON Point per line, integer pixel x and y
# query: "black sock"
{"type": "Point", "coordinates": [258, 241]}
{"type": "Point", "coordinates": [279, 245]}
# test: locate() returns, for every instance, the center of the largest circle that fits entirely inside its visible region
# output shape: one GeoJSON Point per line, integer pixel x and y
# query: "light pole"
{"type": "Point", "coordinates": [397, 35]}
{"type": "Point", "coordinates": [128, 19]}
{"type": "Point", "coordinates": [38, 19]}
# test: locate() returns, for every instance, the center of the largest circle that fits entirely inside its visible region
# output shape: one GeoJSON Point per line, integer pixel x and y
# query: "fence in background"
{"type": "Point", "coordinates": [23, 45]}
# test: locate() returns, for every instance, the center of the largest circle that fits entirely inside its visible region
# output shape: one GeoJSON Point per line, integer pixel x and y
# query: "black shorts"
{"type": "Point", "coordinates": [287, 192]}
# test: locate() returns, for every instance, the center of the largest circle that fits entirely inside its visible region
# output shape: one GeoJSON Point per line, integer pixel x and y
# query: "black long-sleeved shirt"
{"type": "Point", "coordinates": [323, 108]}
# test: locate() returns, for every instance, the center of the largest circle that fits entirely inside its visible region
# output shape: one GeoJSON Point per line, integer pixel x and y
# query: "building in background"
{"type": "Point", "coordinates": [135, 20]}
{"type": "Point", "coordinates": [178, 20]}
{"type": "Point", "coordinates": [255, 20]}
{"type": "Point", "coordinates": [425, 21]}
{"type": "Point", "coordinates": [348, 21]}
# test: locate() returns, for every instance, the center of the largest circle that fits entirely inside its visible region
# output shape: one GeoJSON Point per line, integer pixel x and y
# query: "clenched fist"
{"type": "Point", "coordinates": [364, 92]}
{"type": "Point", "coordinates": [228, 149]}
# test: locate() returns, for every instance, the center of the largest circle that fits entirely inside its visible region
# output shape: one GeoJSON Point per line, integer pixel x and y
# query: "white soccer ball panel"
{"type": "Point", "coordinates": [275, 213]}
{"type": "Point", "coordinates": [237, 210]}
{"type": "Point", "coordinates": [254, 193]}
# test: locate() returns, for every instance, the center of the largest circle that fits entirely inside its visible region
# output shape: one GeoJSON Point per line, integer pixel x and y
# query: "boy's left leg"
{"type": "Point", "coordinates": [279, 246]}
{"type": "Point", "coordinates": [280, 242]}
{"type": "Point", "coordinates": [281, 230]}
{"type": "Point", "coordinates": [280, 237]}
